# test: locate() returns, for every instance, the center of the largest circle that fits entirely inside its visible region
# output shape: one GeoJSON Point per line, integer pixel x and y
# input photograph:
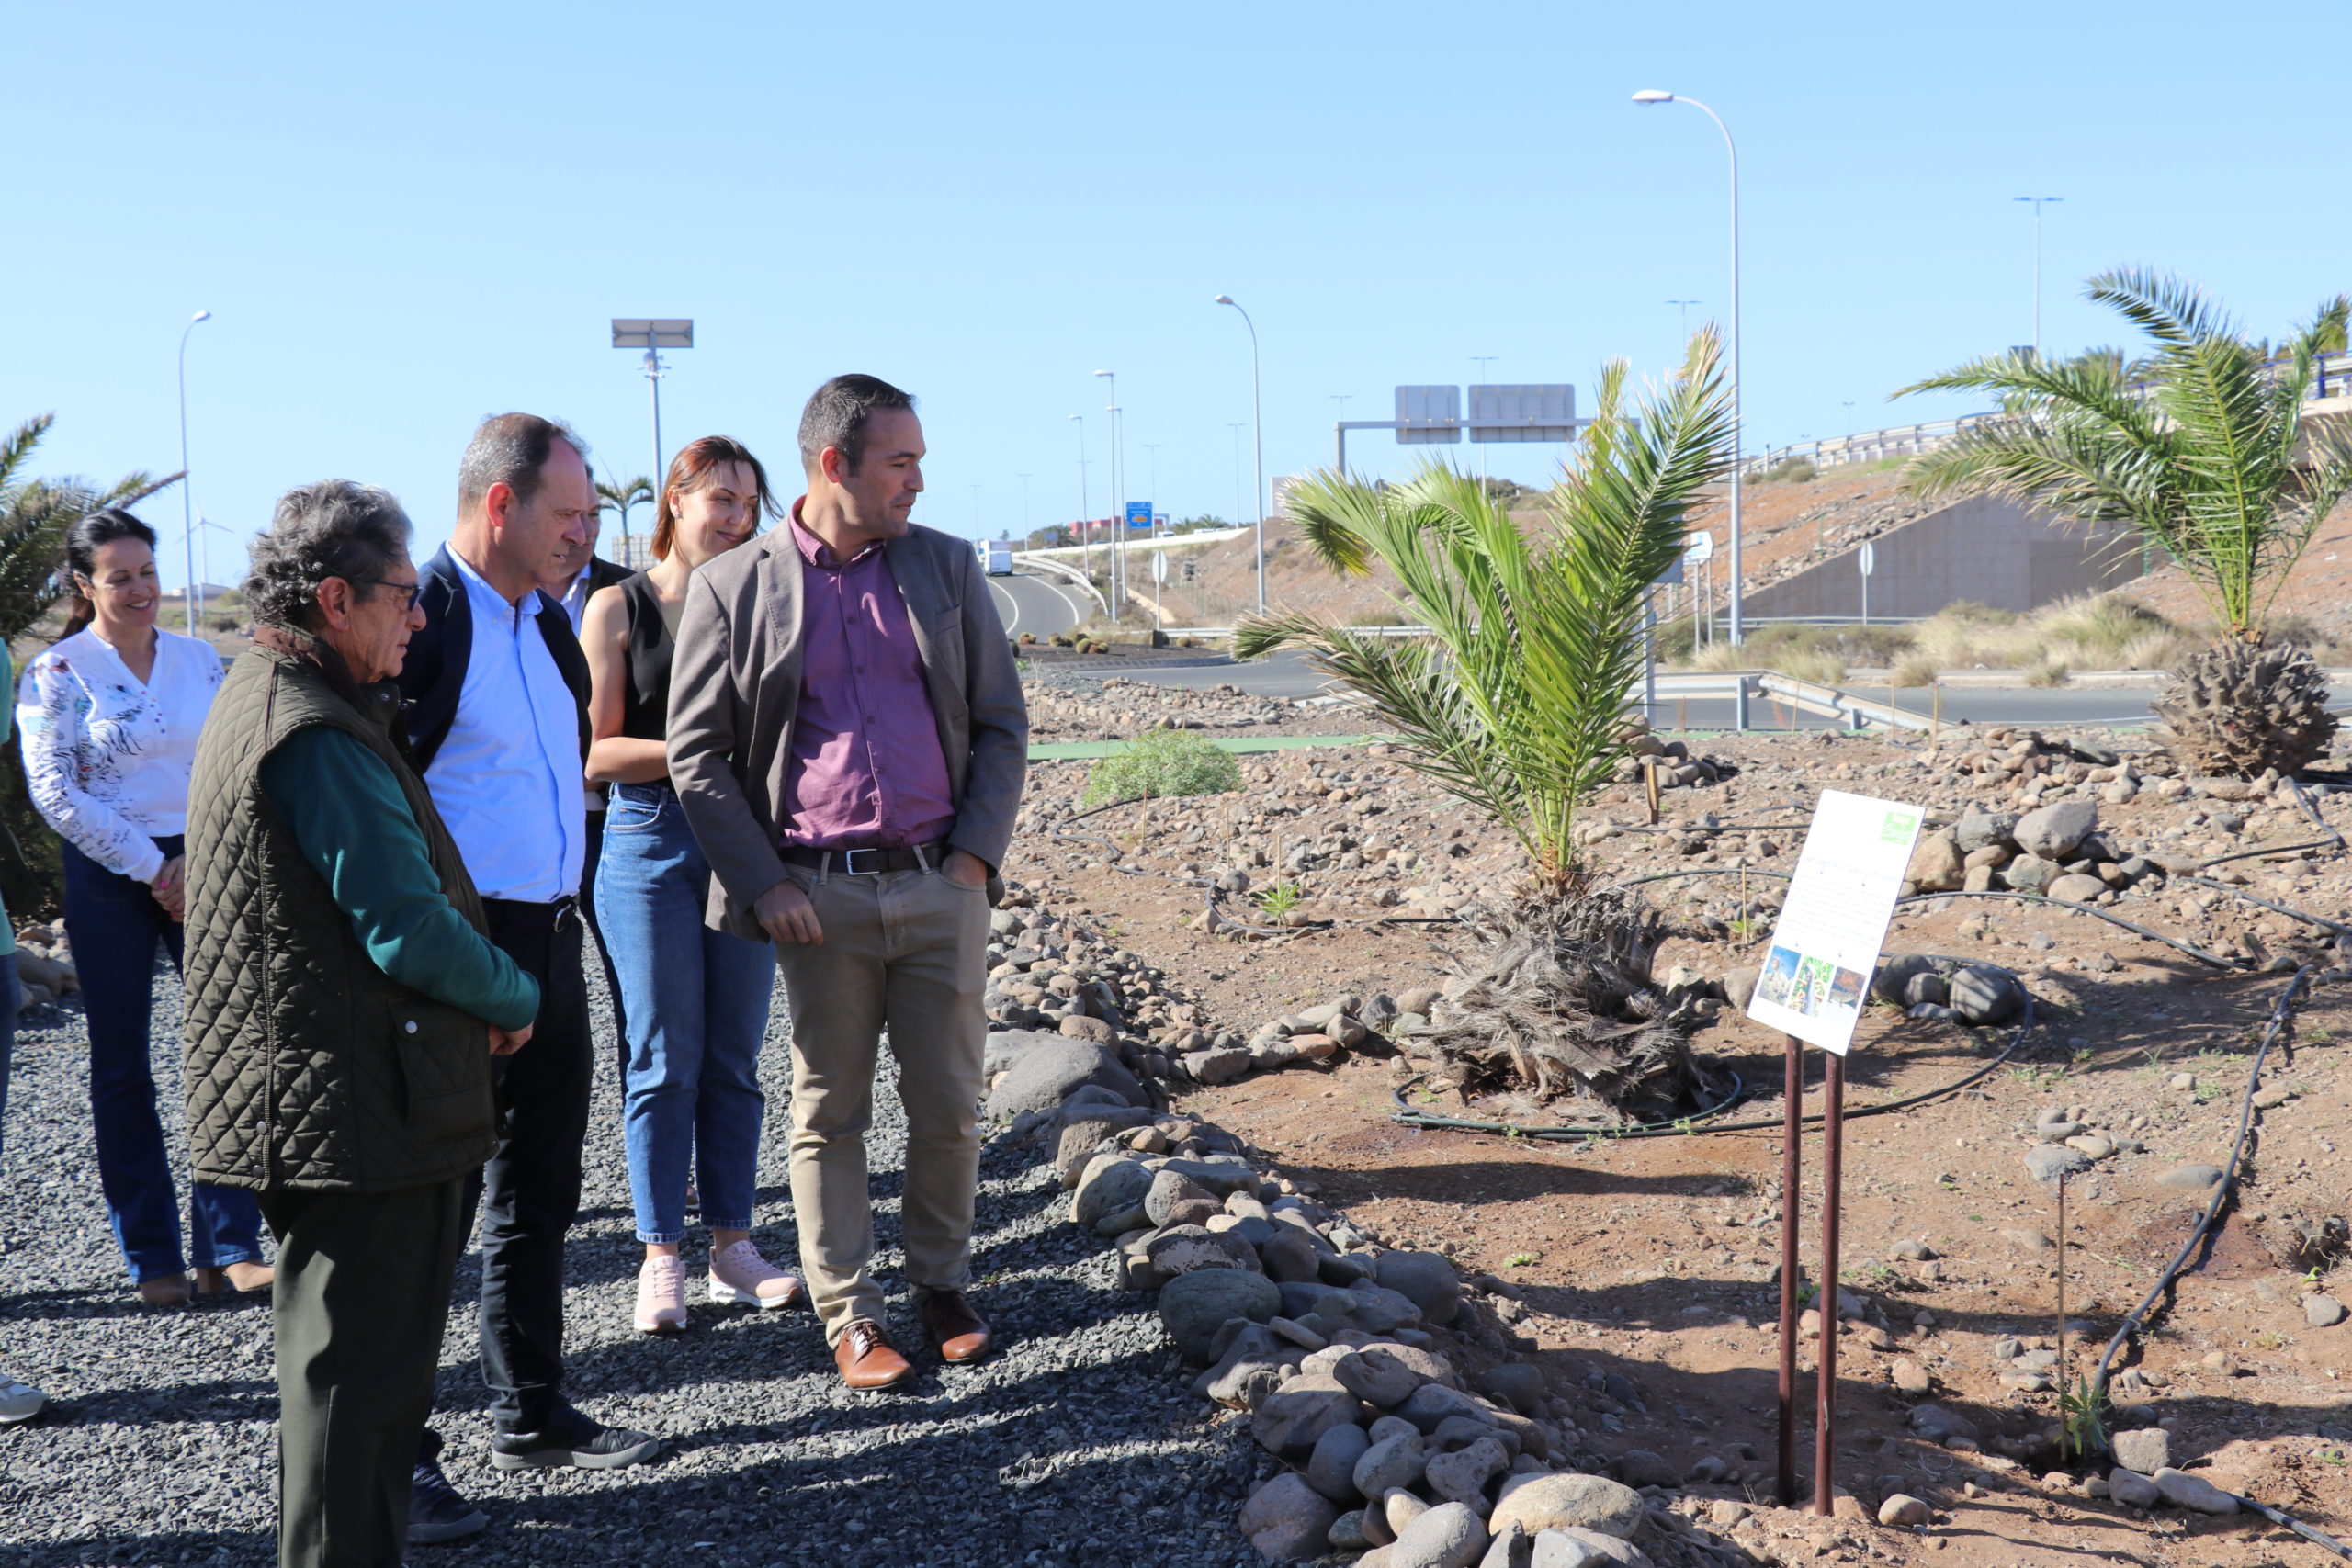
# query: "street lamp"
{"type": "Point", "coordinates": [1654, 95]}
{"type": "Point", "coordinates": [2039, 202]}
{"type": "Point", "coordinates": [1118, 495]}
{"type": "Point", "coordinates": [653, 334]}
{"type": "Point", "coordinates": [188, 509]}
{"type": "Point", "coordinates": [1258, 434]}
{"type": "Point", "coordinates": [1685, 305]}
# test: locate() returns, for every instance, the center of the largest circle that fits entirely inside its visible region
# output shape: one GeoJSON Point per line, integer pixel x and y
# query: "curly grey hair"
{"type": "Point", "coordinates": [333, 528]}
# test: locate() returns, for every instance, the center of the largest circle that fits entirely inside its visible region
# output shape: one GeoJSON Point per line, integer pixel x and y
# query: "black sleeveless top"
{"type": "Point", "coordinates": [645, 702]}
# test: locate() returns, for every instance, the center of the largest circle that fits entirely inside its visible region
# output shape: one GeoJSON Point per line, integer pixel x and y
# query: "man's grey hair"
{"type": "Point", "coordinates": [511, 449]}
{"type": "Point", "coordinates": [836, 414]}
{"type": "Point", "coordinates": [333, 528]}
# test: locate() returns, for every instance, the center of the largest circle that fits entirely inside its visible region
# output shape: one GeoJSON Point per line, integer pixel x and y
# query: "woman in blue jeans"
{"type": "Point", "coordinates": [110, 715]}
{"type": "Point", "coordinates": [696, 999]}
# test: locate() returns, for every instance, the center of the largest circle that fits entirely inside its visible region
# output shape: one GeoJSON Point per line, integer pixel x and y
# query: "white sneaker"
{"type": "Point", "coordinates": [740, 1276]}
{"type": "Point", "coordinates": [662, 1296]}
{"type": "Point", "coordinates": [19, 1401]}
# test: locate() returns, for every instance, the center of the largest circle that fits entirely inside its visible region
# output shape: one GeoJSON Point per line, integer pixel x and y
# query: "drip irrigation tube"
{"type": "Point", "coordinates": [2136, 1321]}
{"type": "Point", "coordinates": [1688, 1126]}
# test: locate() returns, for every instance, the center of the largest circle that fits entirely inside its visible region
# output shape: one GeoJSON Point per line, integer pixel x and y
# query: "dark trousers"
{"type": "Point", "coordinates": [362, 1293]}
{"type": "Point", "coordinates": [530, 1188]}
{"type": "Point", "coordinates": [597, 928]}
{"type": "Point", "coordinates": [115, 926]}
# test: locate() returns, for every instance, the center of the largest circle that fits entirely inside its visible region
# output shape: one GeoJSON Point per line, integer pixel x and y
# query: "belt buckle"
{"type": "Point", "coordinates": [849, 862]}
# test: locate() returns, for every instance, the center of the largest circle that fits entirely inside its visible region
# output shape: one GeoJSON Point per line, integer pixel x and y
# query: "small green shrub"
{"type": "Point", "coordinates": [1789, 471]}
{"type": "Point", "coordinates": [1163, 763]}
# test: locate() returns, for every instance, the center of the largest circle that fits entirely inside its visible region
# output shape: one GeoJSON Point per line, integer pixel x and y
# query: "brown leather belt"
{"type": "Point", "coordinates": [872, 862]}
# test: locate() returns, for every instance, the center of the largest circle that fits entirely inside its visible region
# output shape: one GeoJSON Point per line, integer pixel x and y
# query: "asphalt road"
{"type": "Point", "coordinates": [1037, 606]}
{"type": "Point", "coordinates": [1288, 675]}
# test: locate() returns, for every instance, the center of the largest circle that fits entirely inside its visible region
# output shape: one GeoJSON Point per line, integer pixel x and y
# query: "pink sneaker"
{"type": "Point", "coordinates": [662, 1296]}
{"type": "Point", "coordinates": [740, 1276]}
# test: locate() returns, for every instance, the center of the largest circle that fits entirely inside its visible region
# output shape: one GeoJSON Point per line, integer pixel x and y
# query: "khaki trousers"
{"type": "Point", "coordinates": [905, 952]}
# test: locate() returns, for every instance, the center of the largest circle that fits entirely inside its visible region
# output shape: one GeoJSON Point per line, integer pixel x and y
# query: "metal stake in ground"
{"type": "Point", "coordinates": [1824, 1419]}
{"type": "Point", "coordinates": [1792, 1161]}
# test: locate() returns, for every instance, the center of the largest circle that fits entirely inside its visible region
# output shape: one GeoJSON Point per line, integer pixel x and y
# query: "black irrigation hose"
{"type": "Point", "coordinates": [2137, 1319]}
{"type": "Point", "coordinates": [2336, 926]}
{"type": "Point", "coordinates": [2270, 850]}
{"type": "Point", "coordinates": [1688, 1126]}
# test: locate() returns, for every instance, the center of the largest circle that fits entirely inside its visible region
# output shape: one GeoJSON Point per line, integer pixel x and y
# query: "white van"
{"type": "Point", "coordinates": [996, 557]}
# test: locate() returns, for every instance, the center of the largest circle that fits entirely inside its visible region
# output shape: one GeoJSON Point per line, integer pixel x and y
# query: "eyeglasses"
{"type": "Point", "coordinates": [415, 591]}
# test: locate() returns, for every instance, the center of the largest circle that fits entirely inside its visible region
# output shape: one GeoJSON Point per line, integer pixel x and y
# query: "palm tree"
{"type": "Point", "coordinates": [1516, 706]}
{"type": "Point", "coordinates": [620, 498]}
{"type": "Point", "coordinates": [35, 515]}
{"type": "Point", "coordinates": [2209, 457]}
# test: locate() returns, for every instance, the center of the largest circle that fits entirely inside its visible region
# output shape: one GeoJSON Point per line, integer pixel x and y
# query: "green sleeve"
{"type": "Point", "coordinates": [345, 809]}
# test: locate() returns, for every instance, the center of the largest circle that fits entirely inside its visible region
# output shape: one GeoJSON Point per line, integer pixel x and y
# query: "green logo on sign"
{"type": "Point", "coordinates": [1900, 826]}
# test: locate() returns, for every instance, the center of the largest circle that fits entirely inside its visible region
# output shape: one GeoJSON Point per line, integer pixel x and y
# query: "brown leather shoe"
{"type": "Point", "coordinates": [961, 1334]}
{"type": "Point", "coordinates": [867, 1358]}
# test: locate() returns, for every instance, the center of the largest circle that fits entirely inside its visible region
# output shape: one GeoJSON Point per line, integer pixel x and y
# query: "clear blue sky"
{"type": "Point", "coordinates": [404, 217]}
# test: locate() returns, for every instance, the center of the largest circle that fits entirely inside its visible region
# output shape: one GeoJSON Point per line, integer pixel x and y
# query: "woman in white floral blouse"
{"type": "Point", "coordinates": [109, 716]}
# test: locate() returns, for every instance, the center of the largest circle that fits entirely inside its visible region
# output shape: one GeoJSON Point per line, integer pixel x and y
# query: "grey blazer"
{"type": "Point", "coordinates": [735, 688]}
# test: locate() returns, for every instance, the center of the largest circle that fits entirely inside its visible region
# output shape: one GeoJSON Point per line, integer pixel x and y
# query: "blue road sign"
{"type": "Point", "coordinates": [1138, 516]}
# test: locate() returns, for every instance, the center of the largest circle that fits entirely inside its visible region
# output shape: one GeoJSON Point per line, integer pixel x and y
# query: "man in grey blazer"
{"type": "Point", "coordinates": [848, 738]}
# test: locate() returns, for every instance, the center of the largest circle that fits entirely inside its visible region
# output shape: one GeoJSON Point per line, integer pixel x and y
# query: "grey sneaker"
{"type": "Point", "coordinates": [19, 1402]}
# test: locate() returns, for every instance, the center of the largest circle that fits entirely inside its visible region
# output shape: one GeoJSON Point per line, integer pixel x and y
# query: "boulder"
{"type": "Point", "coordinates": [1516, 1383]}
{"type": "Point", "coordinates": [1218, 1064]}
{"type": "Point", "coordinates": [1286, 1519]}
{"type": "Point", "coordinates": [1576, 1548]}
{"type": "Point", "coordinates": [1186, 1250]}
{"type": "Point", "coordinates": [1221, 1177]}
{"type": "Point", "coordinates": [1462, 1476]}
{"type": "Point", "coordinates": [1432, 1403]}
{"type": "Point", "coordinates": [2052, 832]}
{"type": "Point", "coordinates": [1290, 1422]}
{"type": "Point", "coordinates": [1985, 994]}
{"type": "Point", "coordinates": [2322, 1312]}
{"type": "Point", "coordinates": [1331, 1468]}
{"type": "Point", "coordinates": [1192, 1307]}
{"type": "Point", "coordinates": [1078, 1026]}
{"type": "Point", "coordinates": [1042, 1076]}
{"type": "Point", "coordinates": [2074, 889]}
{"type": "Point", "coordinates": [1376, 1309]}
{"type": "Point", "coordinates": [2145, 1449]}
{"type": "Point", "coordinates": [1169, 1188]}
{"type": "Point", "coordinates": [1425, 1279]}
{"type": "Point", "coordinates": [1448, 1536]}
{"type": "Point", "coordinates": [1111, 1184]}
{"type": "Point", "coordinates": [1739, 985]}
{"type": "Point", "coordinates": [1986, 831]}
{"type": "Point", "coordinates": [1903, 1511]}
{"type": "Point", "coordinates": [1392, 1462]}
{"type": "Point", "coordinates": [1287, 1254]}
{"type": "Point", "coordinates": [2132, 1489]}
{"type": "Point", "coordinates": [1538, 1503]}
{"type": "Point", "coordinates": [1937, 863]}
{"type": "Point", "coordinates": [2029, 873]}
{"type": "Point", "coordinates": [2183, 1490]}
{"type": "Point", "coordinates": [1378, 1376]}
{"type": "Point", "coordinates": [1512, 1549]}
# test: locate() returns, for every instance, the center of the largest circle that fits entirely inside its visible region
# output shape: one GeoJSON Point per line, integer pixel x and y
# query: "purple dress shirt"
{"type": "Point", "coordinates": [866, 767]}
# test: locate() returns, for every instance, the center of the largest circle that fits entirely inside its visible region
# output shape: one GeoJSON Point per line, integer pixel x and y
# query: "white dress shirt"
{"type": "Point", "coordinates": [576, 597]}
{"type": "Point", "coordinates": [507, 778]}
{"type": "Point", "coordinates": [107, 755]}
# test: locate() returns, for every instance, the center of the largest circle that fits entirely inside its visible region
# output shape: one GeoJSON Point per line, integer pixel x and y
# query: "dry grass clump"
{"type": "Point", "coordinates": [2104, 631]}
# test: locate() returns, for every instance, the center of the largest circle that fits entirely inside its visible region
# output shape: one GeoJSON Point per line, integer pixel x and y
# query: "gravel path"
{"type": "Point", "coordinates": [1075, 1444]}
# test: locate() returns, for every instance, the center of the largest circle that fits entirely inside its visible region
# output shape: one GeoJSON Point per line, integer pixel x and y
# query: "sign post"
{"type": "Point", "coordinates": [1815, 978]}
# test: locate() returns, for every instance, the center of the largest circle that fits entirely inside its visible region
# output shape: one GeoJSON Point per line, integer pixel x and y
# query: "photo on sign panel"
{"type": "Point", "coordinates": [1824, 945]}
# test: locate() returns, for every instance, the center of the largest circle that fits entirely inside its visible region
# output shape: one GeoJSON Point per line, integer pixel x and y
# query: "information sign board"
{"type": "Point", "coordinates": [1139, 517]}
{"type": "Point", "coordinates": [1817, 968]}
{"type": "Point", "coordinates": [1697, 549]}
{"type": "Point", "coordinates": [1429, 416]}
{"type": "Point", "coordinates": [1541, 412]}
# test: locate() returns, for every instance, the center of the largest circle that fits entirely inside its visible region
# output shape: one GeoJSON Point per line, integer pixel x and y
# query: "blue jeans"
{"type": "Point", "coordinates": [113, 923]}
{"type": "Point", "coordinates": [697, 1001]}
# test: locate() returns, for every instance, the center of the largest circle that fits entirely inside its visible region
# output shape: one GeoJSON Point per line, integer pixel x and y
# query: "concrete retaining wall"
{"type": "Point", "coordinates": [1995, 552]}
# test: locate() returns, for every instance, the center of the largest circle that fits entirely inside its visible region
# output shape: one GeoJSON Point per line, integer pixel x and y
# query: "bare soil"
{"type": "Point", "coordinates": [1653, 1260]}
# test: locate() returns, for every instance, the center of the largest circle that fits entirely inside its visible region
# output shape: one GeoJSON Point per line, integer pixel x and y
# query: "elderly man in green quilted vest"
{"type": "Point", "coordinates": [343, 1006]}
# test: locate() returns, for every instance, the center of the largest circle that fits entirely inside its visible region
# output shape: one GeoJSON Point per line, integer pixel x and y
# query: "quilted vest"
{"type": "Point", "coordinates": [308, 1066]}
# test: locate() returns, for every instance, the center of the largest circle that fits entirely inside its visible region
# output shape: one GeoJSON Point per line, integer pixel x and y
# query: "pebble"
{"type": "Point", "coordinates": [2322, 1312]}
{"type": "Point", "coordinates": [1448, 1536]}
{"type": "Point", "coordinates": [2131, 1490]}
{"type": "Point", "coordinates": [1903, 1511]}
{"type": "Point", "coordinates": [2183, 1490]}
{"type": "Point", "coordinates": [2191, 1178]}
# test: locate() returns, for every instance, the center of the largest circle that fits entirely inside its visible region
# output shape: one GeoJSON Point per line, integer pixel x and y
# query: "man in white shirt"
{"type": "Point", "coordinates": [583, 573]}
{"type": "Point", "coordinates": [497, 717]}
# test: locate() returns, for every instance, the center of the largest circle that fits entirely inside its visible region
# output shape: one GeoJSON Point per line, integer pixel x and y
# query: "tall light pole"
{"type": "Point", "coordinates": [1118, 510]}
{"type": "Point", "coordinates": [2039, 202]}
{"type": "Point", "coordinates": [1236, 426]}
{"type": "Point", "coordinates": [1085, 516]}
{"type": "Point", "coordinates": [1685, 305]}
{"type": "Point", "coordinates": [1653, 95]}
{"type": "Point", "coordinates": [654, 334]}
{"type": "Point", "coordinates": [1482, 361]}
{"type": "Point", "coordinates": [1258, 432]}
{"type": "Point", "coordinates": [188, 508]}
